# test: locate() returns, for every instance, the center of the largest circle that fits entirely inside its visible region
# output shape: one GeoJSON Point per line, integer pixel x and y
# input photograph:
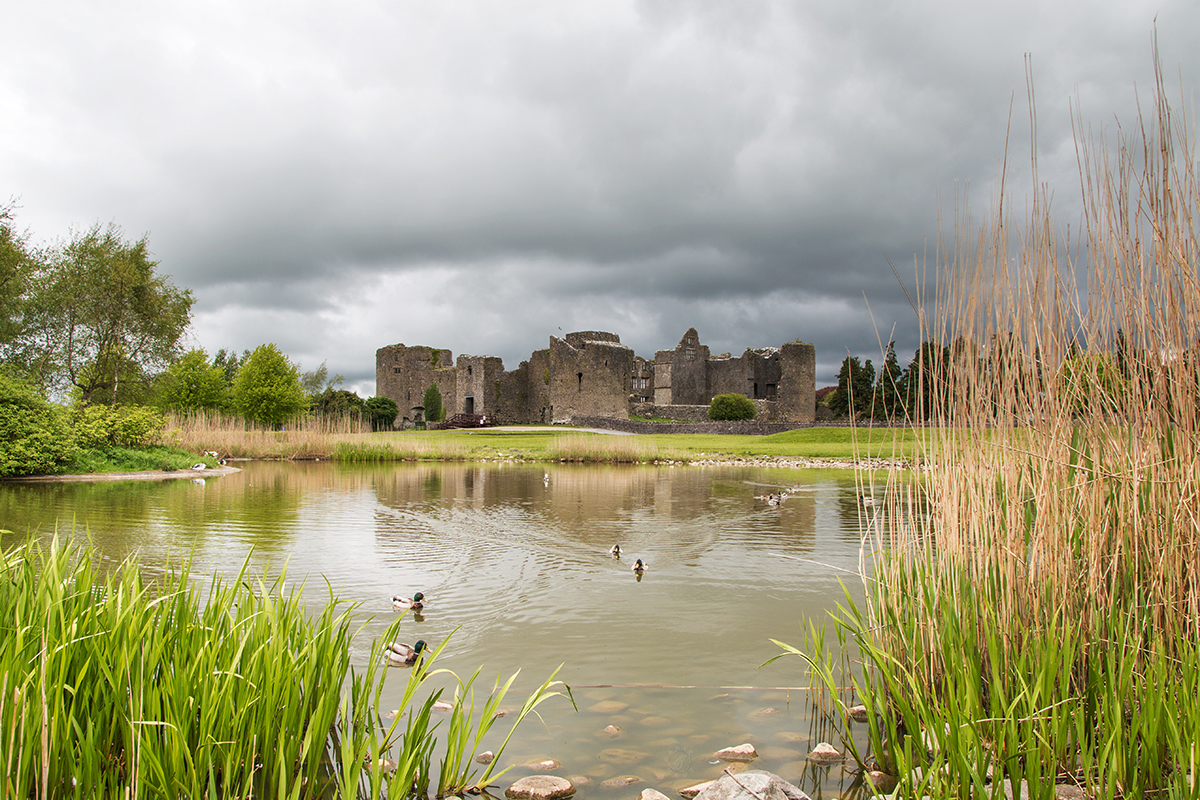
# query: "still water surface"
{"type": "Point", "coordinates": [514, 560]}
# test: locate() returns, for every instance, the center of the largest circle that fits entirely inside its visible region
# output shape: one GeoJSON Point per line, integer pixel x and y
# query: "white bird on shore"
{"type": "Point", "coordinates": [200, 465]}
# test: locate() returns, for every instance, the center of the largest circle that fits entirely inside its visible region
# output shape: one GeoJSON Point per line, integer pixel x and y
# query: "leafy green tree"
{"type": "Point", "coordinates": [100, 318]}
{"type": "Point", "coordinates": [382, 412]}
{"type": "Point", "coordinates": [192, 383]}
{"type": "Point", "coordinates": [36, 437]}
{"type": "Point", "coordinates": [228, 361]}
{"type": "Point", "coordinates": [731, 406]}
{"type": "Point", "coordinates": [267, 389]}
{"type": "Point", "coordinates": [433, 404]}
{"type": "Point", "coordinates": [854, 390]}
{"type": "Point", "coordinates": [17, 267]}
{"type": "Point", "coordinates": [318, 381]}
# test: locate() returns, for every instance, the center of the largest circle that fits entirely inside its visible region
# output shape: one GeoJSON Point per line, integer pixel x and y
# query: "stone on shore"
{"type": "Point", "coordinates": [691, 791]}
{"type": "Point", "coordinates": [652, 794]}
{"type": "Point", "coordinates": [825, 753]}
{"type": "Point", "coordinates": [755, 784]}
{"type": "Point", "coordinates": [883, 783]}
{"type": "Point", "coordinates": [741, 752]}
{"type": "Point", "coordinates": [540, 787]}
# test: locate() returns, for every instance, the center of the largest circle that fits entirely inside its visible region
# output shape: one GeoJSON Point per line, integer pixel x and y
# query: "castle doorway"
{"type": "Point", "coordinates": [469, 408]}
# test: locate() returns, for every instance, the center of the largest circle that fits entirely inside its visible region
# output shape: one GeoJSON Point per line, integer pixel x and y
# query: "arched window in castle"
{"type": "Point", "coordinates": [580, 376]}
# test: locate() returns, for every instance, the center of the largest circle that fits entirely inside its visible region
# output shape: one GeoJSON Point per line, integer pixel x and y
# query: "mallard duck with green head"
{"type": "Point", "coordinates": [398, 654]}
{"type": "Point", "coordinates": [416, 602]}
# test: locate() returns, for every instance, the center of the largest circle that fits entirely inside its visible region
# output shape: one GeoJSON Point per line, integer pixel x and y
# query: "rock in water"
{"type": "Point", "coordinates": [486, 757]}
{"type": "Point", "coordinates": [652, 794]}
{"type": "Point", "coordinates": [754, 784]}
{"type": "Point", "coordinates": [692, 791]}
{"type": "Point", "coordinates": [540, 787]}
{"type": "Point", "coordinates": [825, 753]}
{"type": "Point", "coordinates": [742, 752]}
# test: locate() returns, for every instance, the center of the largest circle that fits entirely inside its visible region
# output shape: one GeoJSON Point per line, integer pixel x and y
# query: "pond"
{"type": "Point", "coordinates": [514, 560]}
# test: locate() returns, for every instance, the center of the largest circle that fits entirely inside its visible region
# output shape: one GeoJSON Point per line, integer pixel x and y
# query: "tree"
{"type": "Point", "coordinates": [731, 407]}
{"type": "Point", "coordinates": [17, 266]}
{"type": "Point", "coordinates": [382, 412]}
{"type": "Point", "coordinates": [318, 381]}
{"type": "Point", "coordinates": [339, 402]}
{"type": "Point", "coordinates": [192, 383]}
{"type": "Point", "coordinates": [925, 381]}
{"type": "Point", "coordinates": [854, 390]}
{"type": "Point", "coordinates": [100, 317]}
{"type": "Point", "coordinates": [267, 389]}
{"type": "Point", "coordinates": [433, 404]}
{"type": "Point", "coordinates": [889, 392]}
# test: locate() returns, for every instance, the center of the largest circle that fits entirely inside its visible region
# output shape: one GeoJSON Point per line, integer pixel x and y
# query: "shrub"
{"type": "Point", "coordinates": [122, 426]}
{"type": "Point", "coordinates": [35, 436]}
{"type": "Point", "coordinates": [433, 404]}
{"type": "Point", "coordinates": [382, 412]}
{"type": "Point", "coordinates": [732, 407]}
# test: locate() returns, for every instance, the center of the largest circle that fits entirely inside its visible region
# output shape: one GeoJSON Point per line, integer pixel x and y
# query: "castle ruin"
{"type": "Point", "coordinates": [591, 374]}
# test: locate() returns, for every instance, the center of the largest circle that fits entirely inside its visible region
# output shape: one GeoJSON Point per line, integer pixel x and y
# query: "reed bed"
{"type": "Point", "coordinates": [110, 687]}
{"type": "Point", "coordinates": [336, 437]}
{"type": "Point", "coordinates": [1036, 615]}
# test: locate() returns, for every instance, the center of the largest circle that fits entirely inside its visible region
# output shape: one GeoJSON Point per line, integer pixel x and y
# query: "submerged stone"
{"type": "Point", "coordinates": [544, 765]}
{"type": "Point", "coordinates": [617, 756]}
{"type": "Point", "coordinates": [608, 707]}
{"type": "Point", "coordinates": [486, 757]}
{"type": "Point", "coordinates": [621, 782]}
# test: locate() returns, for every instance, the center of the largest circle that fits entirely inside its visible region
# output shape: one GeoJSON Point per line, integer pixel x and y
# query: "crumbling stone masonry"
{"type": "Point", "coordinates": [591, 374]}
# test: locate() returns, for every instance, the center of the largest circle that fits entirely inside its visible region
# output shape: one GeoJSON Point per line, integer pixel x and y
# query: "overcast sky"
{"type": "Point", "coordinates": [479, 176]}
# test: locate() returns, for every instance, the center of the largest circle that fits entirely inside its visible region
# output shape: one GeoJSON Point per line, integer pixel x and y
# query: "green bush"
{"type": "Point", "coordinates": [35, 436]}
{"type": "Point", "coordinates": [123, 426]}
{"type": "Point", "coordinates": [732, 407]}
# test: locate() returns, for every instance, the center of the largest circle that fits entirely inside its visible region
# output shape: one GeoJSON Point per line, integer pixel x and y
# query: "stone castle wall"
{"type": "Point", "coordinates": [591, 374]}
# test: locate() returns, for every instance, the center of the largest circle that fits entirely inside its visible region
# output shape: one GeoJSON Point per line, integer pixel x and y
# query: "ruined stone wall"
{"type": "Point", "coordinates": [591, 378]}
{"type": "Point", "coordinates": [404, 373]}
{"type": "Point", "coordinates": [730, 376]}
{"type": "Point", "coordinates": [765, 410]}
{"type": "Point", "coordinates": [688, 372]}
{"type": "Point", "coordinates": [477, 380]}
{"type": "Point", "coordinates": [797, 382]}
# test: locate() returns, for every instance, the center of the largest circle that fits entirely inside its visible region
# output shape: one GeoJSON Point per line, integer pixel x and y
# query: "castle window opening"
{"type": "Point", "coordinates": [580, 376]}
{"type": "Point", "coordinates": [468, 370]}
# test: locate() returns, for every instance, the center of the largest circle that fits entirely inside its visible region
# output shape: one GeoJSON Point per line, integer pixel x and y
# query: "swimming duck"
{"type": "Point", "coordinates": [638, 566]}
{"type": "Point", "coordinates": [615, 552]}
{"type": "Point", "coordinates": [398, 654]}
{"type": "Point", "coordinates": [416, 602]}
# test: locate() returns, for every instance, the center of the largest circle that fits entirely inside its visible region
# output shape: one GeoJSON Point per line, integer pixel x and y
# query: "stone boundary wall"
{"type": "Point", "coordinates": [765, 409]}
{"type": "Point", "coordinates": [744, 427]}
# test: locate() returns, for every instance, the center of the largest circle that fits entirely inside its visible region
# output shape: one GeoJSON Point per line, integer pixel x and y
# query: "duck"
{"type": "Point", "coordinates": [867, 501]}
{"type": "Point", "coordinates": [639, 566]}
{"type": "Point", "coordinates": [398, 654]}
{"type": "Point", "coordinates": [416, 602]}
{"type": "Point", "coordinates": [199, 465]}
{"type": "Point", "coordinates": [615, 552]}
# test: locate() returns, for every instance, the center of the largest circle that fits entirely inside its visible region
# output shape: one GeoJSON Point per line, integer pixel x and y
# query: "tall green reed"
{"type": "Point", "coordinates": [112, 686]}
{"type": "Point", "coordinates": [1035, 615]}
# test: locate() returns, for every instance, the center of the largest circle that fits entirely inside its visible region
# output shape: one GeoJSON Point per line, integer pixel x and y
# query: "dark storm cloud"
{"type": "Point", "coordinates": [478, 176]}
